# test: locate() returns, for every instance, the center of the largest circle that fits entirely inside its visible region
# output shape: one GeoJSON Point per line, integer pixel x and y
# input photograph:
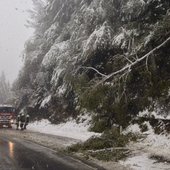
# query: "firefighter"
{"type": "Point", "coordinates": [22, 121]}
{"type": "Point", "coordinates": [18, 121]}
{"type": "Point", "coordinates": [27, 118]}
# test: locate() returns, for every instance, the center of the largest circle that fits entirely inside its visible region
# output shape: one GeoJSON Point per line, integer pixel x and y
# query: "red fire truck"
{"type": "Point", "coordinates": [7, 116]}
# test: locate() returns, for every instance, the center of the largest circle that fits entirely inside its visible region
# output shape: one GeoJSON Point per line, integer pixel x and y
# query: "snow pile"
{"type": "Point", "coordinates": [133, 129]}
{"type": "Point", "coordinates": [158, 145]}
{"type": "Point", "coordinates": [152, 140]}
{"type": "Point", "coordinates": [70, 129]}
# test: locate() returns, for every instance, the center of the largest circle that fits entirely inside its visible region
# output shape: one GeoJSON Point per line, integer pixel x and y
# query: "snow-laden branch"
{"type": "Point", "coordinates": [128, 66]}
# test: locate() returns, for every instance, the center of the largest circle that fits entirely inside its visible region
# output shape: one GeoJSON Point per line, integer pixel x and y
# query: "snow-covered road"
{"type": "Point", "coordinates": [18, 153]}
{"type": "Point", "coordinates": [50, 141]}
{"type": "Point", "coordinates": [54, 143]}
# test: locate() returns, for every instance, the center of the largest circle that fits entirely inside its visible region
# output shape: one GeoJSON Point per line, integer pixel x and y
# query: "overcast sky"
{"type": "Point", "coordinates": [13, 34]}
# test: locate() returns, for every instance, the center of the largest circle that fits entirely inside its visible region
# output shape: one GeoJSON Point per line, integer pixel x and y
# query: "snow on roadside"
{"type": "Point", "coordinates": [158, 145]}
{"type": "Point", "coordinates": [152, 145]}
{"type": "Point", "coordinates": [143, 162]}
{"type": "Point", "coordinates": [70, 129]}
{"type": "Point", "coordinates": [133, 129]}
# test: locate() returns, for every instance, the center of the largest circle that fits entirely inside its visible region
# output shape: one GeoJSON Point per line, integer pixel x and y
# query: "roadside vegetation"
{"type": "Point", "coordinates": [110, 146]}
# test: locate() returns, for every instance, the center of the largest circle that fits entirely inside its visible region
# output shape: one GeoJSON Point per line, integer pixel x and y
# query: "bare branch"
{"type": "Point", "coordinates": [128, 59]}
{"type": "Point", "coordinates": [147, 63]}
{"type": "Point", "coordinates": [137, 56]}
{"type": "Point", "coordinates": [92, 68]}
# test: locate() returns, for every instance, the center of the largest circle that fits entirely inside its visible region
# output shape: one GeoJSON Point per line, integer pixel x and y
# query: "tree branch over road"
{"type": "Point", "coordinates": [128, 66]}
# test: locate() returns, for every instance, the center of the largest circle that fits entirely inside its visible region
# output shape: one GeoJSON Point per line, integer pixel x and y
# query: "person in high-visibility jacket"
{"type": "Point", "coordinates": [22, 121]}
{"type": "Point", "coordinates": [18, 121]}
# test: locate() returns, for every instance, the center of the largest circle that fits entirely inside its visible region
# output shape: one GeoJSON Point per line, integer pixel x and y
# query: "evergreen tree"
{"type": "Point", "coordinates": [5, 92]}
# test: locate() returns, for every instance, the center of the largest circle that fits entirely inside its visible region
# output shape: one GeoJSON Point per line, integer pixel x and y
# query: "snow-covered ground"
{"type": "Point", "coordinates": [151, 146]}
{"type": "Point", "coordinates": [70, 129]}
{"type": "Point", "coordinates": [143, 162]}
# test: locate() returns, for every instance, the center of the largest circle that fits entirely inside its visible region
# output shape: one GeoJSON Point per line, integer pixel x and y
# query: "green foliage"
{"type": "Point", "coordinates": [80, 83]}
{"type": "Point", "coordinates": [99, 125]}
{"type": "Point", "coordinates": [106, 155]}
{"type": "Point", "coordinates": [119, 140]}
{"type": "Point", "coordinates": [103, 100]}
{"type": "Point", "coordinates": [95, 98]}
{"type": "Point", "coordinates": [111, 138]}
{"type": "Point", "coordinates": [96, 144]}
{"type": "Point", "coordinates": [104, 147]}
{"type": "Point", "coordinates": [74, 148]}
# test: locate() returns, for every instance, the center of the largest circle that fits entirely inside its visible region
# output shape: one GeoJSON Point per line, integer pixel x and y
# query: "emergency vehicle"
{"type": "Point", "coordinates": [7, 116]}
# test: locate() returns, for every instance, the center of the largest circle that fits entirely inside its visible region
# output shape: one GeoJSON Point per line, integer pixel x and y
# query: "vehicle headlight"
{"type": "Point", "coordinates": [12, 121]}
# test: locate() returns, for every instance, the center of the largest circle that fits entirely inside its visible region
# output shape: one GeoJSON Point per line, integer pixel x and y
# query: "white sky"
{"type": "Point", "coordinates": [13, 34]}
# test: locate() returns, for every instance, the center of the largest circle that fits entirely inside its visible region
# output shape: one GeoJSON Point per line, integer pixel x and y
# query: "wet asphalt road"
{"type": "Point", "coordinates": [18, 154]}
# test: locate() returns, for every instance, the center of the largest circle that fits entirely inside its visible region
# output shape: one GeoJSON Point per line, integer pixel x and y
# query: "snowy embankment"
{"type": "Point", "coordinates": [150, 152]}
{"type": "Point", "coordinates": [70, 129]}
{"type": "Point", "coordinates": [143, 151]}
